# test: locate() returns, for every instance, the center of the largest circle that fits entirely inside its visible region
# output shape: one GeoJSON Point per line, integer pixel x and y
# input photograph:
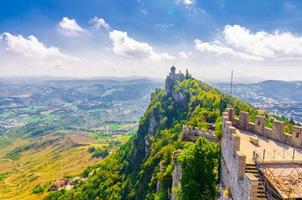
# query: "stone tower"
{"type": "Point", "coordinates": [172, 78]}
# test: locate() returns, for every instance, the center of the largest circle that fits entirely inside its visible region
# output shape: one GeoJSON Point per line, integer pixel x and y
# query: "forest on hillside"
{"type": "Point", "coordinates": [143, 167]}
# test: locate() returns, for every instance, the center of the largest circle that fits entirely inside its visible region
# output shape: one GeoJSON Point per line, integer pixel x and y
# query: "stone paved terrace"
{"type": "Point", "coordinates": [282, 161]}
{"type": "Point", "coordinates": [274, 150]}
{"type": "Point", "coordinates": [279, 153]}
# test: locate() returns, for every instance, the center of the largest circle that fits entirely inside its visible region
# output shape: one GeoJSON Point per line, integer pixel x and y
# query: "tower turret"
{"type": "Point", "coordinates": [172, 78]}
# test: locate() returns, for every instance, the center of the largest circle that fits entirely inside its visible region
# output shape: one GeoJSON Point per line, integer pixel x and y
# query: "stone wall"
{"type": "Point", "coordinates": [193, 133]}
{"type": "Point", "coordinates": [172, 78]}
{"type": "Point", "coordinates": [233, 162]}
{"type": "Point", "coordinates": [189, 133]}
{"type": "Point", "coordinates": [297, 136]}
{"type": "Point", "coordinates": [259, 125]}
{"type": "Point", "coordinates": [275, 133]}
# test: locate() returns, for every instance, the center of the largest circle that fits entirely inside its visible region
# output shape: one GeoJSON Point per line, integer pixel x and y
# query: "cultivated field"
{"type": "Point", "coordinates": [45, 161]}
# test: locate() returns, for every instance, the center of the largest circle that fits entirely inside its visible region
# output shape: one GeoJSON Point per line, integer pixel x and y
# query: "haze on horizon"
{"type": "Point", "coordinates": [259, 40]}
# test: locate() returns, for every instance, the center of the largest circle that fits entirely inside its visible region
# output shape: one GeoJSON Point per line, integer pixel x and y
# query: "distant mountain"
{"type": "Point", "coordinates": [281, 90]}
{"type": "Point", "coordinates": [283, 97]}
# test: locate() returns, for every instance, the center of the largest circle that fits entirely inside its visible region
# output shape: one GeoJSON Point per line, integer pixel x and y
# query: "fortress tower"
{"type": "Point", "coordinates": [172, 78]}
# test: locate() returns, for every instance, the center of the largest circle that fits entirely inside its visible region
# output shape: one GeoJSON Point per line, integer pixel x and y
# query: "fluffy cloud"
{"type": "Point", "coordinates": [240, 42]}
{"type": "Point", "coordinates": [99, 23]}
{"type": "Point", "coordinates": [217, 48]}
{"type": "Point", "coordinates": [123, 45]}
{"type": "Point", "coordinates": [184, 55]}
{"type": "Point", "coordinates": [267, 45]}
{"type": "Point", "coordinates": [70, 27]}
{"type": "Point", "coordinates": [29, 47]}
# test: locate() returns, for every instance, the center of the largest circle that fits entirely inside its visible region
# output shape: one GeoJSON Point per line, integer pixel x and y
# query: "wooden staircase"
{"type": "Point", "coordinates": [251, 168]}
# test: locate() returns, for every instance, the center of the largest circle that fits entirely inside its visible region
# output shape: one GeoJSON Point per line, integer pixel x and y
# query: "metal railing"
{"type": "Point", "coordinates": [279, 155]}
{"type": "Point", "coordinates": [271, 184]}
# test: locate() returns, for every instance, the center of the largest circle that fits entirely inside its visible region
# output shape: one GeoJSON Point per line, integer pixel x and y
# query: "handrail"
{"type": "Point", "coordinates": [266, 171]}
{"type": "Point", "coordinates": [277, 155]}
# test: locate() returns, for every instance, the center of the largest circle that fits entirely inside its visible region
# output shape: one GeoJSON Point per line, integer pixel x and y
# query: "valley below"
{"type": "Point", "coordinates": [54, 129]}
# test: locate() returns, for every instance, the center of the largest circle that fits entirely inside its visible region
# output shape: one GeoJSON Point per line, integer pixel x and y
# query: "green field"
{"type": "Point", "coordinates": [57, 128]}
{"type": "Point", "coordinates": [41, 161]}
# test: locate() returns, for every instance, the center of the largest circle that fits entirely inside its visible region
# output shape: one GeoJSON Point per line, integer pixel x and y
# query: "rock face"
{"type": "Point", "coordinates": [176, 185]}
{"type": "Point", "coordinates": [172, 78]}
{"type": "Point", "coordinates": [144, 142]}
{"type": "Point", "coordinates": [178, 97]}
{"type": "Point", "coordinates": [153, 125]}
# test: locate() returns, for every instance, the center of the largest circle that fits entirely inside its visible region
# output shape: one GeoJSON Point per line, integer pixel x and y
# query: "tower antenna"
{"type": "Point", "coordinates": [232, 77]}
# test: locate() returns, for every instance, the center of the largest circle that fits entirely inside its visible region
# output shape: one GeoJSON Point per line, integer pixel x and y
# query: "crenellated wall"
{"type": "Point", "coordinates": [297, 136]}
{"type": "Point", "coordinates": [275, 133]}
{"type": "Point", "coordinates": [233, 162]}
{"type": "Point", "coordinates": [189, 133]}
{"type": "Point", "coordinates": [260, 125]}
{"type": "Point", "coordinates": [192, 134]}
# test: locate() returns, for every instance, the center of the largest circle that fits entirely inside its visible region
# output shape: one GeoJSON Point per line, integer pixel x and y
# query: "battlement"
{"type": "Point", "coordinates": [233, 163]}
{"type": "Point", "coordinates": [193, 133]}
{"type": "Point", "coordinates": [276, 132]}
{"type": "Point", "coordinates": [279, 153]}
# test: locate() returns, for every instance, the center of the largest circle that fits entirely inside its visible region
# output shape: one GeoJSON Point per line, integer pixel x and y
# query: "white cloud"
{"type": "Point", "coordinates": [29, 47]}
{"type": "Point", "coordinates": [185, 55]}
{"type": "Point", "coordinates": [70, 27]}
{"type": "Point", "coordinates": [123, 45]}
{"type": "Point", "coordinates": [264, 44]}
{"type": "Point", "coordinates": [217, 48]}
{"type": "Point", "coordinates": [240, 42]}
{"type": "Point", "coordinates": [99, 23]}
{"type": "Point", "coordinates": [185, 2]}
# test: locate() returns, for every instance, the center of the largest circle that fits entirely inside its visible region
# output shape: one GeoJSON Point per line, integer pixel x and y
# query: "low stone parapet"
{"type": "Point", "coordinates": [276, 132]}
{"type": "Point", "coordinates": [192, 134]}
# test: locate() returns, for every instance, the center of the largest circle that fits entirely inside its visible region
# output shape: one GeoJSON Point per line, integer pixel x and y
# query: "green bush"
{"type": "Point", "coordinates": [38, 189]}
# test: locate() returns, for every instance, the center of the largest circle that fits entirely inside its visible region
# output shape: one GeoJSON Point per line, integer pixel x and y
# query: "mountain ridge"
{"type": "Point", "coordinates": [279, 97]}
{"type": "Point", "coordinates": [143, 168]}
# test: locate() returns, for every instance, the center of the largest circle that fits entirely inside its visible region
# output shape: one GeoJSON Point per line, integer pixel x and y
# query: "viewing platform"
{"type": "Point", "coordinates": [260, 162]}
{"type": "Point", "coordinates": [270, 151]}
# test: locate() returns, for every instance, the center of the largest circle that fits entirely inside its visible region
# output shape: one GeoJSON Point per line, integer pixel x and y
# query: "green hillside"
{"type": "Point", "coordinates": [143, 167]}
{"type": "Point", "coordinates": [53, 129]}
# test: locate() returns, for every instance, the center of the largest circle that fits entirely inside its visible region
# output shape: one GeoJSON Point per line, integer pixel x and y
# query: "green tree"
{"type": "Point", "coordinates": [199, 170]}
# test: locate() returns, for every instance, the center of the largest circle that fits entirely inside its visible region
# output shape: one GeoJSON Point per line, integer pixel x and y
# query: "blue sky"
{"type": "Point", "coordinates": [256, 38]}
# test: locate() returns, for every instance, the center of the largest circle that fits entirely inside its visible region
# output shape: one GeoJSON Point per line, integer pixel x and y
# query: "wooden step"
{"type": "Point", "coordinates": [251, 168]}
{"type": "Point", "coordinates": [253, 171]}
